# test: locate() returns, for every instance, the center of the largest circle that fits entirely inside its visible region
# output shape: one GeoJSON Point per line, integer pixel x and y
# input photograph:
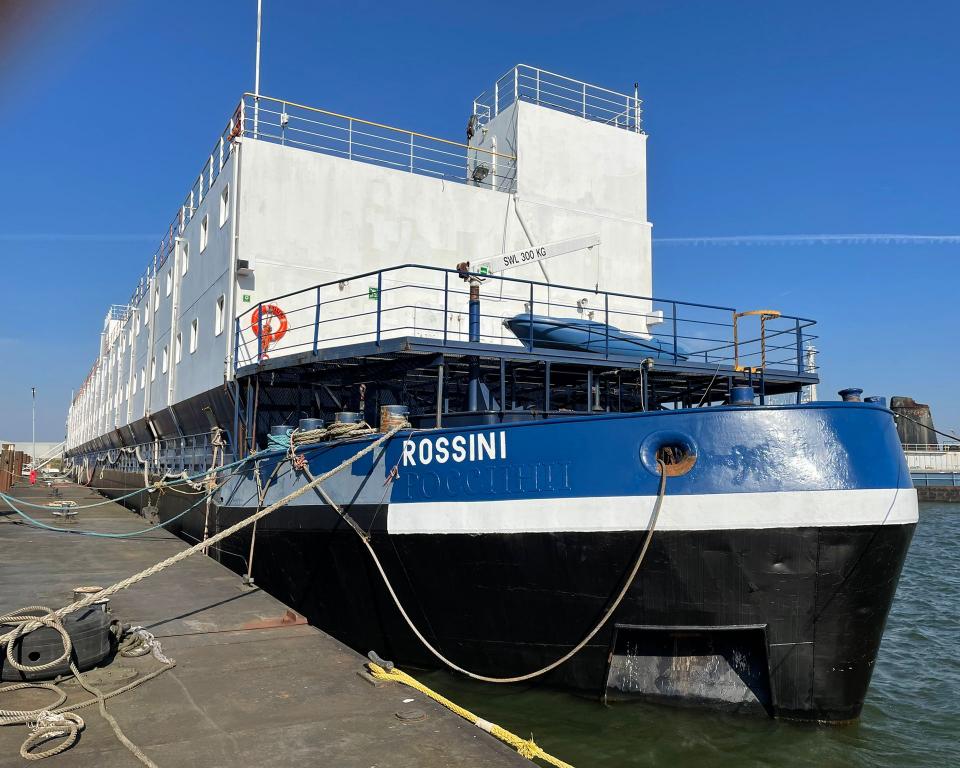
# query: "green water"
{"type": "Point", "coordinates": [911, 716]}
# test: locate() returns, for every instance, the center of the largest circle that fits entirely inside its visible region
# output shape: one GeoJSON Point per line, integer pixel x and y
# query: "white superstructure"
{"type": "Point", "coordinates": [299, 196]}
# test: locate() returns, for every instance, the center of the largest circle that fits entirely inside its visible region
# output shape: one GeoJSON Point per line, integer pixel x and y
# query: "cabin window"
{"type": "Point", "coordinates": [218, 315]}
{"type": "Point", "coordinates": [204, 231]}
{"type": "Point", "coordinates": [185, 256]}
{"type": "Point", "coordinates": [146, 313]}
{"type": "Point", "coordinates": [178, 348]}
{"type": "Point", "coordinates": [143, 377]}
{"type": "Point", "coordinates": [164, 359]}
{"type": "Point", "coordinates": [156, 299]}
{"type": "Point", "coordinates": [169, 282]}
{"type": "Point", "coordinates": [136, 323]}
{"type": "Point", "coordinates": [194, 335]}
{"type": "Point", "coordinates": [224, 204]}
{"type": "Point", "coordinates": [153, 368]}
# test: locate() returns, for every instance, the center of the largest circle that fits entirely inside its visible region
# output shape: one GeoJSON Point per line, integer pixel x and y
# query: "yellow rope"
{"type": "Point", "coordinates": [527, 748]}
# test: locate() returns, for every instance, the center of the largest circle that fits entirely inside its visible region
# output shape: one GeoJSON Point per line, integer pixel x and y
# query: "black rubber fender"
{"type": "Point", "coordinates": [89, 631]}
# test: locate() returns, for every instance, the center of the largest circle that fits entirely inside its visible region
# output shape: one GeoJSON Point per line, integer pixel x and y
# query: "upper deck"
{"type": "Point", "coordinates": [397, 320]}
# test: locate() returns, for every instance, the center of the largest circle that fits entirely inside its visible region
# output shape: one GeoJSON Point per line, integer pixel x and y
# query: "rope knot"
{"type": "Point", "coordinates": [60, 724]}
{"type": "Point", "coordinates": [528, 749]}
{"type": "Point", "coordinates": [138, 641]}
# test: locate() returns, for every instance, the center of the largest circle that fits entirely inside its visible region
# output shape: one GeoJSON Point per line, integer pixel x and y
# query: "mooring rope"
{"type": "Point", "coordinates": [925, 426]}
{"type": "Point", "coordinates": [527, 748]}
{"type": "Point", "coordinates": [27, 620]}
{"type": "Point", "coordinates": [315, 482]}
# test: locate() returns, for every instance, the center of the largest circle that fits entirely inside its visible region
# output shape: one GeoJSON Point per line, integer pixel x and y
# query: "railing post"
{"type": "Point", "coordinates": [496, 98]}
{"type": "Point", "coordinates": [350, 139]}
{"type": "Point", "coordinates": [411, 153]}
{"type": "Point", "coordinates": [606, 326]}
{"type": "Point", "coordinates": [446, 305]}
{"type": "Point", "coordinates": [236, 345]}
{"type": "Point", "coordinates": [538, 86]}
{"type": "Point", "coordinates": [259, 331]}
{"type": "Point", "coordinates": [531, 317]}
{"type": "Point", "coordinates": [584, 99]}
{"type": "Point", "coordinates": [516, 84]}
{"type": "Point", "coordinates": [636, 107]}
{"type": "Point", "coordinates": [210, 173]}
{"type": "Point", "coordinates": [220, 151]}
{"type": "Point", "coordinates": [316, 323]}
{"type": "Point", "coordinates": [674, 332]}
{"type": "Point", "coordinates": [799, 346]}
{"type": "Point", "coordinates": [379, 302]}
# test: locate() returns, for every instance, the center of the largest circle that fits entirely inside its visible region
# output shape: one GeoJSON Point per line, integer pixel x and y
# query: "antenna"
{"type": "Point", "coordinates": [256, 75]}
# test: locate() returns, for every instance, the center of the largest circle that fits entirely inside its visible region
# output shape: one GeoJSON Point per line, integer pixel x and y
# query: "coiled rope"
{"type": "Point", "coordinates": [53, 721]}
{"type": "Point", "coordinates": [527, 748]}
{"type": "Point", "coordinates": [628, 582]}
{"type": "Point", "coordinates": [295, 437]}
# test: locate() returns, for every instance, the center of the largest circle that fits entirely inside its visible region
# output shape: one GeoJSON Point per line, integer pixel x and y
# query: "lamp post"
{"type": "Point", "coordinates": [33, 394]}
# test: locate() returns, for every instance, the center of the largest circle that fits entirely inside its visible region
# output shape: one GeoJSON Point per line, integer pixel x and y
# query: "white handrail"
{"type": "Point", "coordinates": [550, 89]}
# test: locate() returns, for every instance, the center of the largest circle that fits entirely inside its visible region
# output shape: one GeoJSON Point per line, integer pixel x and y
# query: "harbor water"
{"type": "Point", "coordinates": [911, 716]}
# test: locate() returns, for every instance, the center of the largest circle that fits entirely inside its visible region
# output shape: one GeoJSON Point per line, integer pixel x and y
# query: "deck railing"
{"type": "Point", "coordinates": [433, 303]}
{"type": "Point", "coordinates": [352, 138]}
{"type": "Point", "coordinates": [286, 122]}
{"type": "Point", "coordinates": [548, 89]}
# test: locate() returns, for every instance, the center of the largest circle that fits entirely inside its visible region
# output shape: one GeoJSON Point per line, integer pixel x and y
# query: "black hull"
{"type": "Point", "coordinates": [784, 621]}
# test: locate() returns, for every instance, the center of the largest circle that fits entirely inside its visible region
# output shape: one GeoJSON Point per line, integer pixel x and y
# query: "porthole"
{"type": "Point", "coordinates": [676, 450]}
{"type": "Point", "coordinates": [677, 458]}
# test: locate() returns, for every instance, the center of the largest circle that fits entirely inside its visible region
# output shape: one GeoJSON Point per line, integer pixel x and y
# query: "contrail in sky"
{"type": "Point", "coordinates": [856, 239]}
{"type": "Point", "coordinates": [53, 237]}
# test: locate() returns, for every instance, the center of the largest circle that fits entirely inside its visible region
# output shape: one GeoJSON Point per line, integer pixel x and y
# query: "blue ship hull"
{"type": "Point", "coordinates": [772, 567]}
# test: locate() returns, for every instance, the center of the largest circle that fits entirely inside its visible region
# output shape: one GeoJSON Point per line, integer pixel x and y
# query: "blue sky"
{"type": "Point", "coordinates": [765, 118]}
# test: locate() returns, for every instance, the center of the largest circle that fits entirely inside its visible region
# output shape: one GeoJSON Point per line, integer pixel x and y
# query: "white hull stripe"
{"type": "Point", "coordinates": [706, 512]}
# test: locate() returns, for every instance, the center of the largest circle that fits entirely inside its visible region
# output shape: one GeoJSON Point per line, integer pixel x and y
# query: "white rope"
{"type": "Point", "coordinates": [628, 582]}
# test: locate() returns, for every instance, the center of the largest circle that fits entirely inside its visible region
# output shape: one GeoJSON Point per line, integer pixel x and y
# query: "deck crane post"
{"type": "Point", "coordinates": [475, 275]}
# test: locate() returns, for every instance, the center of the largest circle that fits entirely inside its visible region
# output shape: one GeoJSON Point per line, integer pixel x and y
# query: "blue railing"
{"type": "Point", "coordinates": [413, 300]}
{"type": "Point", "coordinates": [936, 479]}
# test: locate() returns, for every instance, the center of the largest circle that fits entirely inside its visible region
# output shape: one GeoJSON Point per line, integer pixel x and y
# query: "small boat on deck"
{"type": "Point", "coordinates": [579, 335]}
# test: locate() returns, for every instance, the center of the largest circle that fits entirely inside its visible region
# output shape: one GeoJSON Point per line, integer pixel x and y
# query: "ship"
{"type": "Point", "coordinates": [521, 462]}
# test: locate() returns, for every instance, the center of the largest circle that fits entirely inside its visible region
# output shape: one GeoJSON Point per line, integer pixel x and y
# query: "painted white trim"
{"type": "Point", "coordinates": [704, 512]}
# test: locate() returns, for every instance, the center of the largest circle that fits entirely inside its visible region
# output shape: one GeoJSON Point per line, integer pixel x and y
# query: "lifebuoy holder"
{"type": "Point", "coordinates": [261, 324]}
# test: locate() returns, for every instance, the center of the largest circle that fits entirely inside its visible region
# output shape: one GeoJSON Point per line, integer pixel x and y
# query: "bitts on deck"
{"type": "Point", "coordinates": [254, 684]}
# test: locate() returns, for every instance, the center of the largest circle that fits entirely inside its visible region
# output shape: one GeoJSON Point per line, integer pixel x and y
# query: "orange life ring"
{"type": "Point", "coordinates": [265, 330]}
